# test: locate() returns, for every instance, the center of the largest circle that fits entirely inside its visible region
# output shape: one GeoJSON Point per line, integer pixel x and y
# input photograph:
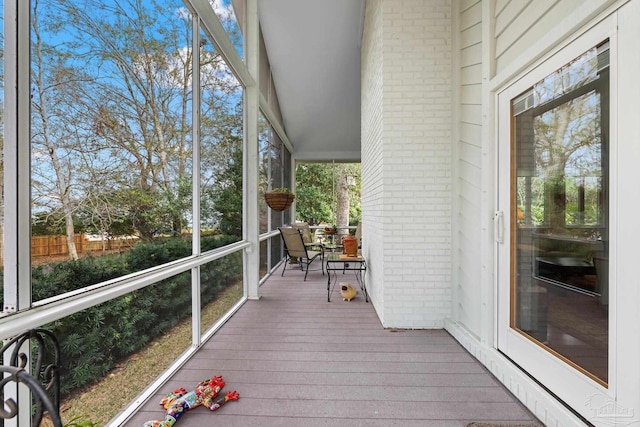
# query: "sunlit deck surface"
{"type": "Point", "coordinates": [298, 360]}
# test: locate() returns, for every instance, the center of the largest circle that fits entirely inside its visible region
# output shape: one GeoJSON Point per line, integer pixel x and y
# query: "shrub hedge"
{"type": "Point", "coordinates": [94, 340]}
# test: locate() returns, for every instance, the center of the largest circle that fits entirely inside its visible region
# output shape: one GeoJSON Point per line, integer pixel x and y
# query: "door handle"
{"type": "Point", "coordinates": [498, 226]}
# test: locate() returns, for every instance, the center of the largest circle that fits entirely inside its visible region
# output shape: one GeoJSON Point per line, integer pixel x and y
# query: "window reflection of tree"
{"type": "Point", "coordinates": [560, 167]}
{"type": "Point", "coordinates": [560, 145]}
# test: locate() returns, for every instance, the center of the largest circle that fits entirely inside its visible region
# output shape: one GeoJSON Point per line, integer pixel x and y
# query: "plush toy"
{"type": "Point", "coordinates": [347, 292]}
{"type": "Point", "coordinates": [180, 401]}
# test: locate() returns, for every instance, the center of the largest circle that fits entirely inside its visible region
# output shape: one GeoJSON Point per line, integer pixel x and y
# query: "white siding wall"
{"type": "Point", "coordinates": [468, 168]}
{"type": "Point", "coordinates": [519, 23]}
{"type": "Point", "coordinates": [408, 216]}
{"type": "Point", "coordinates": [522, 32]}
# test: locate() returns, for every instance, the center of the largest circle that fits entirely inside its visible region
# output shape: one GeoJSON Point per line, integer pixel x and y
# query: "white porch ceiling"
{"type": "Point", "coordinates": [314, 50]}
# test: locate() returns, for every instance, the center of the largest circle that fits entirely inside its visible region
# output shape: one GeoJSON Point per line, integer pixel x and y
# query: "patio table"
{"type": "Point", "coordinates": [336, 262]}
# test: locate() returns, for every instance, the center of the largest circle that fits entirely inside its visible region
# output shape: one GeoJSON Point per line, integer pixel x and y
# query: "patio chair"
{"type": "Point", "coordinates": [295, 248]}
{"type": "Point", "coordinates": [308, 237]}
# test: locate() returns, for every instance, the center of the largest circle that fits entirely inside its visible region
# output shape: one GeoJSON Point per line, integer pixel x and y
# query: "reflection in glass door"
{"type": "Point", "coordinates": [559, 222]}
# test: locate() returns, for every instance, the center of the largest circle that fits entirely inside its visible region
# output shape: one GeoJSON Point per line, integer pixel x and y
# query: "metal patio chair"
{"type": "Point", "coordinates": [295, 247]}
{"type": "Point", "coordinates": [308, 236]}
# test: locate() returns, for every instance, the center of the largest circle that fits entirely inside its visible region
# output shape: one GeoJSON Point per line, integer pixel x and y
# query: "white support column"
{"type": "Point", "coordinates": [17, 174]}
{"type": "Point", "coordinates": [195, 226]}
{"type": "Point", "coordinates": [252, 100]}
{"type": "Point", "coordinates": [17, 153]}
{"type": "Point", "coordinates": [292, 180]}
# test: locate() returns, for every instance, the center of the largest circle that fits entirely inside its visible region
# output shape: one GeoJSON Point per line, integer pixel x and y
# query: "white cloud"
{"type": "Point", "coordinates": [223, 12]}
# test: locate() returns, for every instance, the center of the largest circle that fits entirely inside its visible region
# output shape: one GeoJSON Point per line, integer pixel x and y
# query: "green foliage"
{"type": "Point", "coordinates": [94, 340]}
{"type": "Point", "coordinates": [57, 278]}
{"type": "Point", "coordinates": [147, 255]}
{"type": "Point", "coordinates": [178, 204]}
{"type": "Point", "coordinates": [227, 194]}
{"type": "Point", "coordinates": [315, 184]}
{"type": "Point", "coordinates": [314, 188]}
{"type": "Point", "coordinates": [217, 275]}
{"type": "Point", "coordinates": [280, 190]}
{"type": "Point", "coordinates": [146, 212]}
{"type": "Point", "coordinates": [52, 224]}
{"type": "Point", "coordinates": [107, 211]}
{"type": "Point", "coordinates": [209, 243]}
{"type": "Point", "coordinates": [43, 224]}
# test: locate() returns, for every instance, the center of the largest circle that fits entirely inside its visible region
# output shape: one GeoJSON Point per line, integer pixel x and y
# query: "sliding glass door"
{"type": "Point", "coordinates": [553, 220]}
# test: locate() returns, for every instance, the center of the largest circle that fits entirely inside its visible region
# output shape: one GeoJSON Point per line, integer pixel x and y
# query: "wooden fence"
{"type": "Point", "coordinates": [57, 245]}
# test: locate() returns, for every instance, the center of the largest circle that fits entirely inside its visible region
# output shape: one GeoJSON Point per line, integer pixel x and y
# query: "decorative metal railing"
{"type": "Point", "coordinates": [36, 351]}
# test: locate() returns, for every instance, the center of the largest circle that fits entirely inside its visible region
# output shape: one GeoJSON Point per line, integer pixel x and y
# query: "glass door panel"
{"type": "Point", "coordinates": [559, 226]}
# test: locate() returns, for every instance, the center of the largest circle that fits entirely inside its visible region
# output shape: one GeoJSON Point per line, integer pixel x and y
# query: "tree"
{"type": "Point", "coordinates": [221, 138]}
{"type": "Point", "coordinates": [345, 182]}
{"type": "Point", "coordinates": [568, 135]}
{"type": "Point", "coordinates": [226, 196]}
{"type": "Point", "coordinates": [113, 108]}
{"type": "Point", "coordinates": [314, 202]}
{"type": "Point", "coordinates": [316, 199]}
{"type": "Point", "coordinates": [143, 93]}
{"type": "Point", "coordinates": [53, 135]}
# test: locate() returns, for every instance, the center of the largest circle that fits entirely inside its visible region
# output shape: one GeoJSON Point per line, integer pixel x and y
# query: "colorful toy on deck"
{"type": "Point", "coordinates": [180, 401]}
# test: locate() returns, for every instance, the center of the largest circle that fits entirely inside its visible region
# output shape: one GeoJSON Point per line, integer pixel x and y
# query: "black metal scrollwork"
{"type": "Point", "coordinates": [44, 384]}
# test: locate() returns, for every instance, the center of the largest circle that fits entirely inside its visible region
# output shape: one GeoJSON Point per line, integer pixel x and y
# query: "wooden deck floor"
{"type": "Point", "coordinates": [297, 360]}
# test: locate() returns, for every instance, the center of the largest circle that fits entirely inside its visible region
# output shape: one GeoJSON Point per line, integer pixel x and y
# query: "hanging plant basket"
{"type": "Point", "coordinates": [278, 200]}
